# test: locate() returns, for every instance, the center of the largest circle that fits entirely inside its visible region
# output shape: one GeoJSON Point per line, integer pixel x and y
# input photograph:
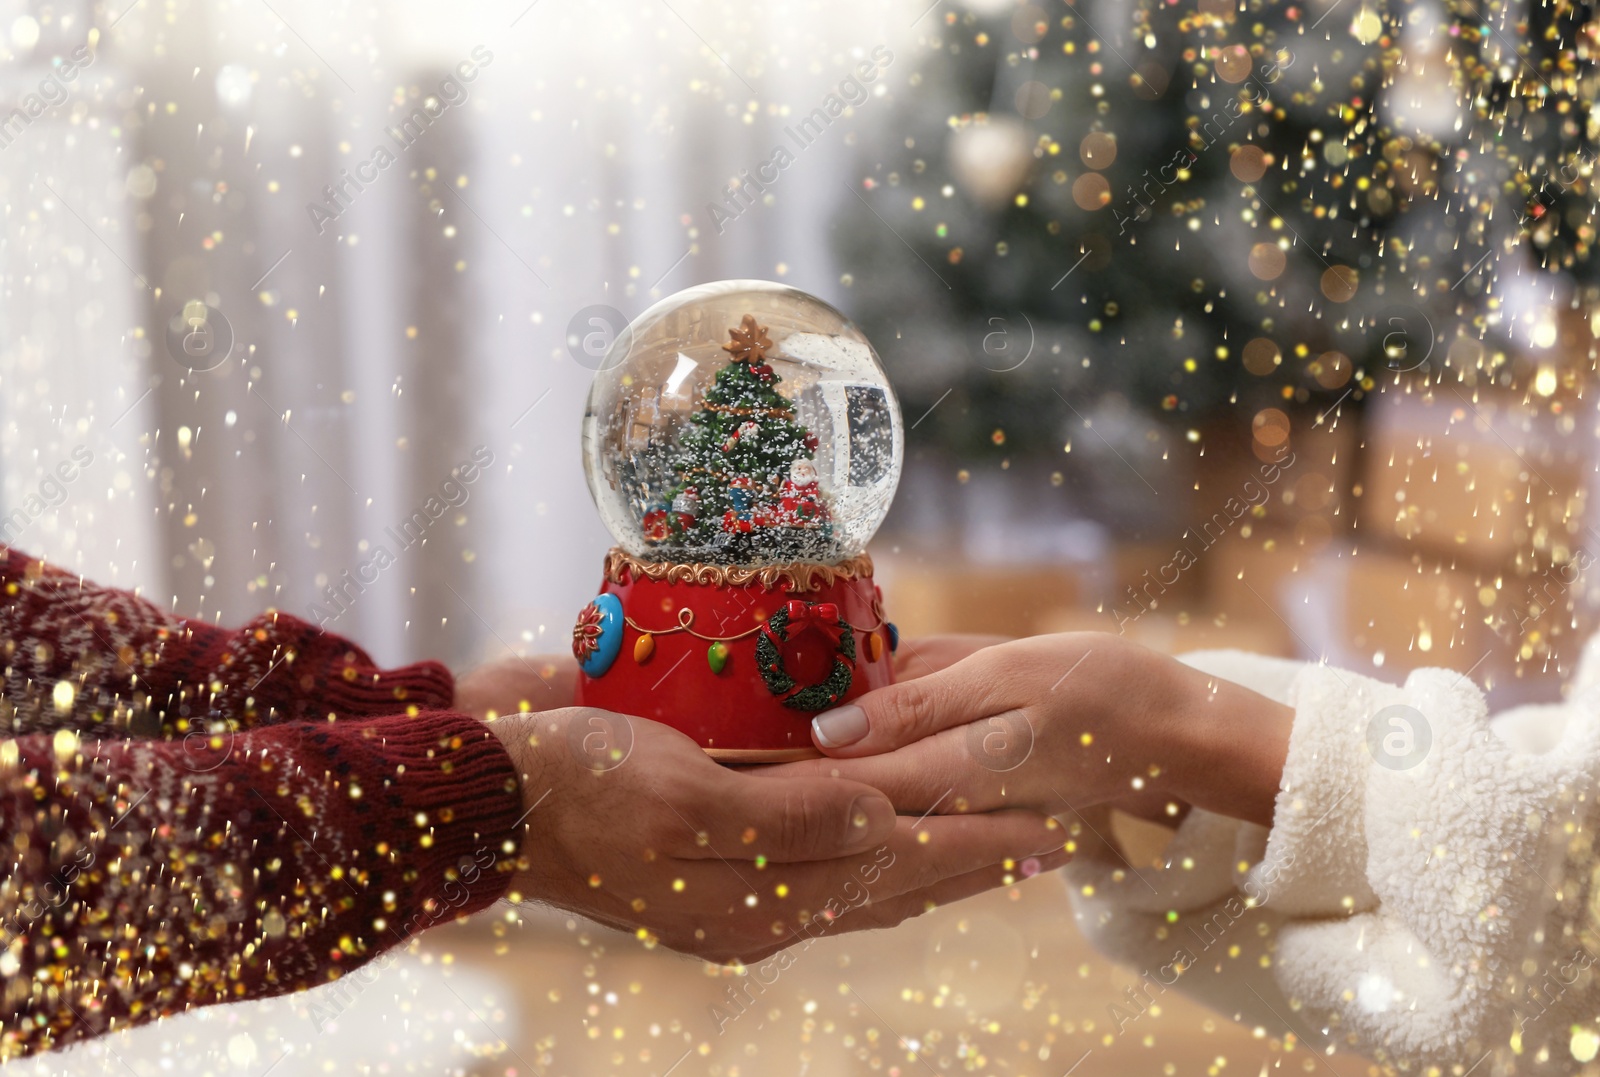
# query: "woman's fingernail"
{"type": "Point", "coordinates": [835, 729]}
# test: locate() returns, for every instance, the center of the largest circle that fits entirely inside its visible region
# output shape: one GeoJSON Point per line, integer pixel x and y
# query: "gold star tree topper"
{"type": "Point", "coordinates": [750, 341]}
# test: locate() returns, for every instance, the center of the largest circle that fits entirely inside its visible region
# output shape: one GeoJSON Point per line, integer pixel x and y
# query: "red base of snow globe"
{"type": "Point", "coordinates": [740, 659]}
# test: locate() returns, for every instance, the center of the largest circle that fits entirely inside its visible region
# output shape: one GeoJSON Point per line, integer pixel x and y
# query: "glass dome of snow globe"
{"type": "Point", "coordinates": [742, 423]}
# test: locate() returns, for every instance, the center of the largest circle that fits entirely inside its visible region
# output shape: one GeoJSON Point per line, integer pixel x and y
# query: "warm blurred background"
{"type": "Point", "coordinates": [1247, 324]}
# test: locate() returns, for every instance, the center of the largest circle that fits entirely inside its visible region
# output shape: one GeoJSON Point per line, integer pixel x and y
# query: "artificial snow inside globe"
{"type": "Point", "coordinates": [742, 444]}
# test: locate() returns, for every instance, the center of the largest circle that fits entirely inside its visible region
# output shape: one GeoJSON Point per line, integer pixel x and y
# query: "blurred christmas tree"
{"type": "Point", "coordinates": [747, 485]}
{"type": "Point", "coordinates": [1252, 204]}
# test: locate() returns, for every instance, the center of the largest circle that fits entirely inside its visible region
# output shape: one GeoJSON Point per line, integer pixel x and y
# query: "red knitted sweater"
{"type": "Point", "coordinates": [192, 815]}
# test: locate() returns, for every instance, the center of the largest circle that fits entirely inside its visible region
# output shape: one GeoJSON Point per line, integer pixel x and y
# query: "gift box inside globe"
{"type": "Point", "coordinates": [742, 445]}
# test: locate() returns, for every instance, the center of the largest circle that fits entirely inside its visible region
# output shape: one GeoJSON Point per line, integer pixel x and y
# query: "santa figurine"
{"type": "Point", "coordinates": [800, 499]}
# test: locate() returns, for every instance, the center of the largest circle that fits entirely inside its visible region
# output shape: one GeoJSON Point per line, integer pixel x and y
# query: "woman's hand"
{"type": "Point", "coordinates": [1057, 724]}
{"type": "Point", "coordinates": [515, 683]}
{"type": "Point", "coordinates": [631, 824]}
{"type": "Point", "coordinates": [920, 657]}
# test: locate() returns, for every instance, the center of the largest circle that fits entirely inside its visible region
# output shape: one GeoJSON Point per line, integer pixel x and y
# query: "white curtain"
{"type": "Point", "coordinates": [428, 320]}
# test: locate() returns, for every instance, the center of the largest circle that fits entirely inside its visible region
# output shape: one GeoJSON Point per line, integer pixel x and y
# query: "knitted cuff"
{"type": "Point", "coordinates": [442, 800]}
{"type": "Point", "coordinates": [331, 673]}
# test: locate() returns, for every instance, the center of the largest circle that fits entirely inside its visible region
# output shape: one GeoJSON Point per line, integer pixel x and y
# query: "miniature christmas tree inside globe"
{"type": "Point", "coordinates": [742, 423]}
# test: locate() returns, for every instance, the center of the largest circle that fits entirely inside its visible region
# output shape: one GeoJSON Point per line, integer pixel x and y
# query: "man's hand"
{"type": "Point", "coordinates": [1056, 724]}
{"type": "Point", "coordinates": [514, 683]}
{"type": "Point", "coordinates": [631, 824]}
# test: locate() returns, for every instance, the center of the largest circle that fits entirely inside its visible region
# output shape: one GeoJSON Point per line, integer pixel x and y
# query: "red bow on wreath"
{"type": "Point", "coordinates": [780, 627]}
{"type": "Point", "coordinates": [823, 616]}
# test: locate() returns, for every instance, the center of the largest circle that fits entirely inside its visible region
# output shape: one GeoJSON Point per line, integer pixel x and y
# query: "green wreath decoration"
{"type": "Point", "coordinates": [813, 697]}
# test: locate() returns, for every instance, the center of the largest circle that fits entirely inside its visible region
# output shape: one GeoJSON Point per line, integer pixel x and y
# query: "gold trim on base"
{"type": "Point", "coordinates": [686, 624]}
{"type": "Point", "coordinates": [762, 755]}
{"type": "Point", "coordinates": [798, 575]}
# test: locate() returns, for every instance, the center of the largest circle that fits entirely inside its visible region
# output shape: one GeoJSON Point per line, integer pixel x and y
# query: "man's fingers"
{"type": "Point", "coordinates": [696, 809]}
{"type": "Point", "coordinates": [890, 912]}
{"type": "Point", "coordinates": [919, 854]}
{"type": "Point", "coordinates": [921, 857]}
{"type": "Point", "coordinates": [924, 852]}
{"type": "Point", "coordinates": [760, 908]}
{"type": "Point", "coordinates": [785, 820]}
{"type": "Point", "coordinates": [897, 910]}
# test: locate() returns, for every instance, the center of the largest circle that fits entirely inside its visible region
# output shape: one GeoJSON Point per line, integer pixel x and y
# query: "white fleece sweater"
{"type": "Point", "coordinates": [1431, 902]}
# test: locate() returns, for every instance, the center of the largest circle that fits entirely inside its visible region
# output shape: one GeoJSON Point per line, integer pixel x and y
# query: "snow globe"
{"type": "Point", "coordinates": [742, 445]}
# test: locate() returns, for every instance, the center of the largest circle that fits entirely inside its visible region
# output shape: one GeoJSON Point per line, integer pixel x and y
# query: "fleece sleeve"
{"type": "Point", "coordinates": [1426, 893]}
